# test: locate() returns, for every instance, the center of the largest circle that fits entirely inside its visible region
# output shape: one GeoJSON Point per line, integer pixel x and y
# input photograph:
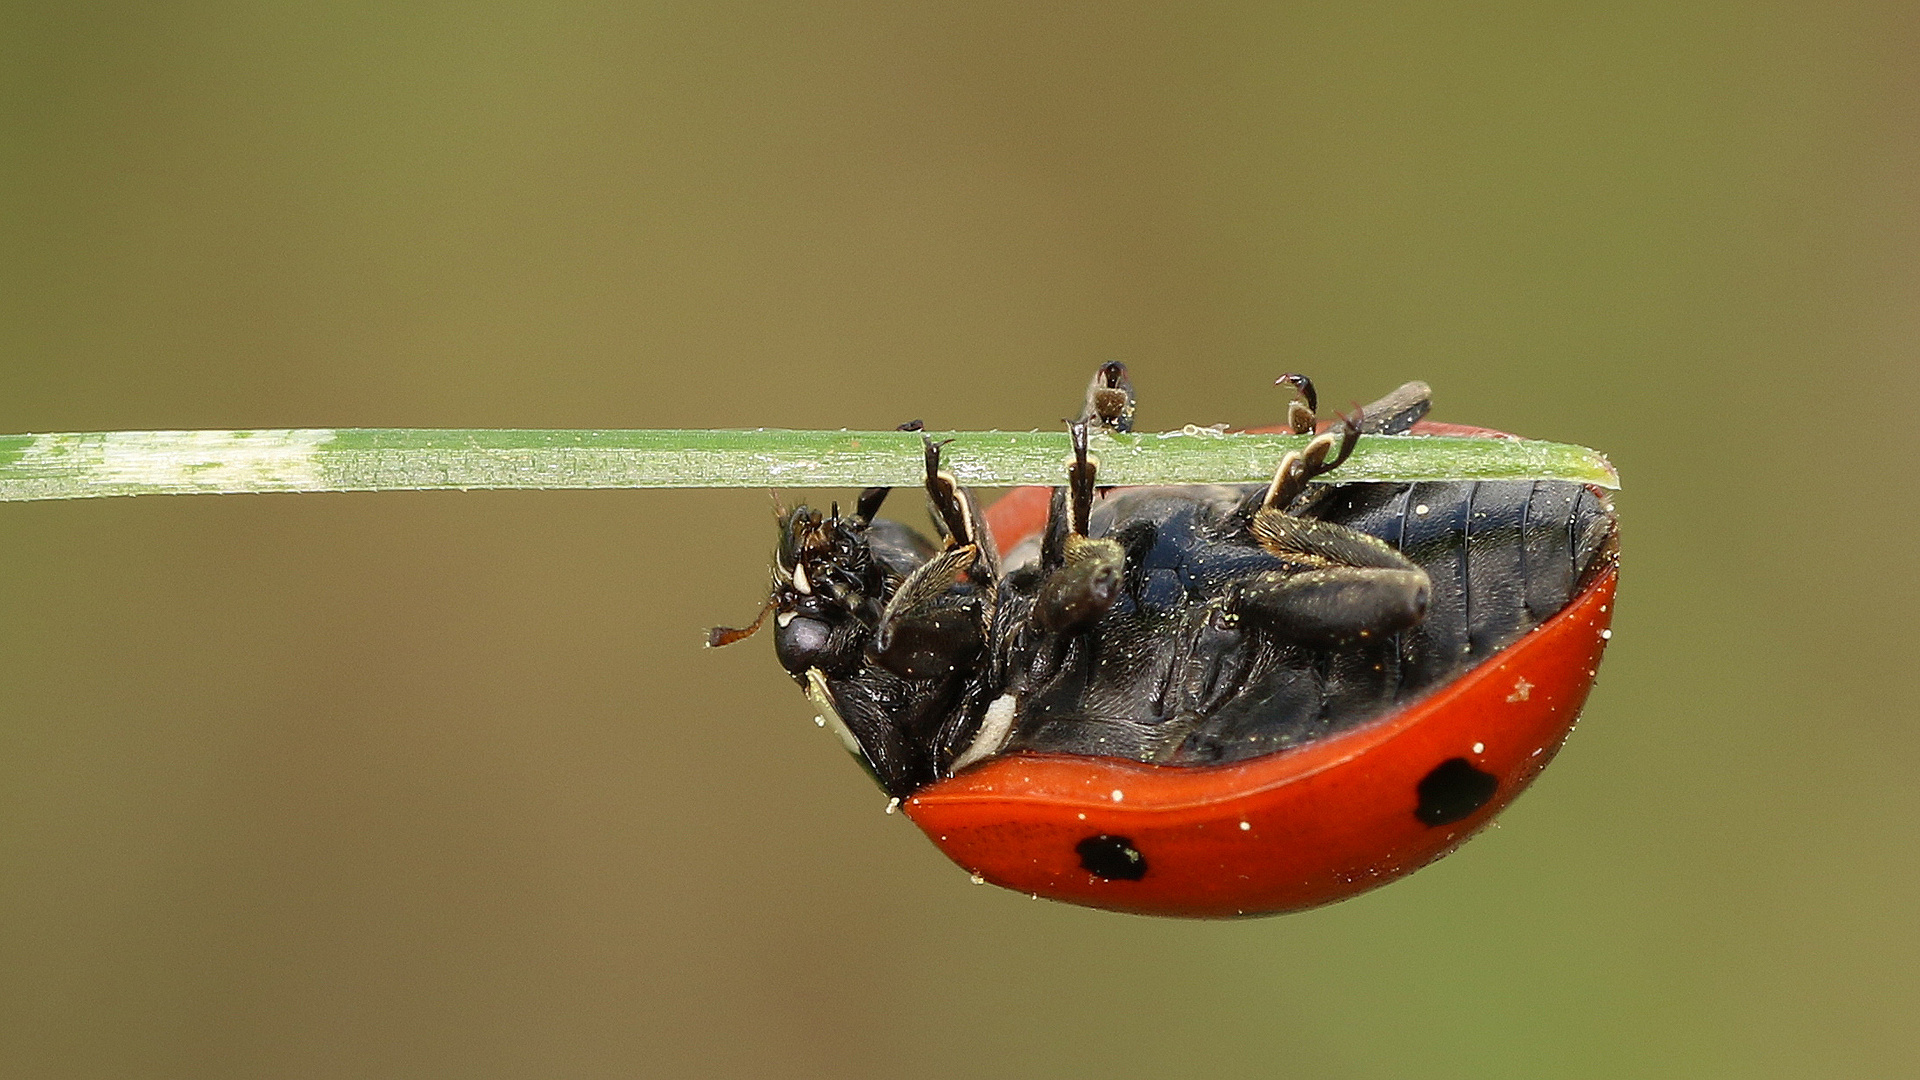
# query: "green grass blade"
{"type": "Point", "coordinates": [78, 465]}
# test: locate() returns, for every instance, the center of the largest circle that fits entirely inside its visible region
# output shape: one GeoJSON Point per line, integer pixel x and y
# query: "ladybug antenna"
{"type": "Point", "coordinates": [727, 635]}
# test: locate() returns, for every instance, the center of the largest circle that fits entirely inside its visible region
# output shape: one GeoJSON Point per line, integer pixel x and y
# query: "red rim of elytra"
{"type": "Point", "coordinates": [1286, 831]}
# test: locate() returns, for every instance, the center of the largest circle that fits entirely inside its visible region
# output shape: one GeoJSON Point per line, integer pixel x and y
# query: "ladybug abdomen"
{"type": "Point", "coordinates": [1176, 684]}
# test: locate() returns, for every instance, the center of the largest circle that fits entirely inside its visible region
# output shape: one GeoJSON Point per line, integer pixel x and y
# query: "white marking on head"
{"type": "Point", "coordinates": [822, 699]}
{"type": "Point", "coordinates": [785, 617]}
{"type": "Point", "coordinates": [800, 581]}
{"type": "Point", "coordinates": [995, 726]}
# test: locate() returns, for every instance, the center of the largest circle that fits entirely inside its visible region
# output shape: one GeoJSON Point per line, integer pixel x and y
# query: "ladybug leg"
{"type": "Point", "coordinates": [1080, 476]}
{"type": "Point", "coordinates": [937, 619]}
{"type": "Point", "coordinates": [1110, 398]}
{"type": "Point", "coordinates": [868, 507]}
{"type": "Point", "coordinates": [1343, 585]}
{"type": "Point", "coordinates": [1354, 587]}
{"type": "Point", "coordinates": [1394, 414]}
{"type": "Point", "coordinates": [934, 624]}
{"type": "Point", "coordinates": [1086, 574]}
{"type": "Point", "coordinates": [1301, 418]}
{"type": "Point", "coordinates": [1299, 467]}
{"type": "Point", "coordinates": [1341, 606]}
{"type": "Point", "coordinates": [956, 514]}
{"type": "Point", "coordinates": [1349, 586]}
{"type": "Point", "coordinates": [1109, 405]}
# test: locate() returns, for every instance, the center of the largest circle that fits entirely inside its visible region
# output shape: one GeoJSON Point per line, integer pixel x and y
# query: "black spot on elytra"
{"type": "Point", "coordinates": [1453, 790]}
{"type": "Point", "coordinates": [1112, 857]}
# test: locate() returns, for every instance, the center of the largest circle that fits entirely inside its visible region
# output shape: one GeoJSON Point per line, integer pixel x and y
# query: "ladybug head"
{"type": "Point", "coordinates": [827, 590]}
{"type": "Point", "coordinates": [882, 628]}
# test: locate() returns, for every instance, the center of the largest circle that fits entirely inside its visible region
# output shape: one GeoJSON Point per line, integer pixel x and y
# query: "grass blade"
{"type": "Point", "coordinates": [78, 465]}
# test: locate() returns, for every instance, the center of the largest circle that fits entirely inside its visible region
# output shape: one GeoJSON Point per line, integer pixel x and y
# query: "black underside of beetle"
{"type": "Point", "coordinates": [1183, 626]}
{"type": "Point", "coordinates": [1158, 681]}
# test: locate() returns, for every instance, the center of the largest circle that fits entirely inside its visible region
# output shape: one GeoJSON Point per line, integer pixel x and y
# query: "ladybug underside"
{"type": "Point", "coordinates": [1170, 687]}
{"type": "Point", "coordinates": [1193, 625]}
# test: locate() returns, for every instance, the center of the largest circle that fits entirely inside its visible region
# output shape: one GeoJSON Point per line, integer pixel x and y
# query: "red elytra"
{"type": "Point", "coordinates": [1279, 833]}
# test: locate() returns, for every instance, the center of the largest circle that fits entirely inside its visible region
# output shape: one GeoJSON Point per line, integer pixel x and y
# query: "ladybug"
{"type": "Point", "coordinates": [1203, 700]}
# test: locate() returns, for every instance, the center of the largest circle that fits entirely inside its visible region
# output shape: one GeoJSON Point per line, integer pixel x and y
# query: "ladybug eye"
{"type": "Point", "coordinates": [801, 643]}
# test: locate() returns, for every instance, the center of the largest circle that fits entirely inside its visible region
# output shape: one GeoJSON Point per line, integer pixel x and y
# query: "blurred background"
{"type": "Point", "coordinates": [443, 785]}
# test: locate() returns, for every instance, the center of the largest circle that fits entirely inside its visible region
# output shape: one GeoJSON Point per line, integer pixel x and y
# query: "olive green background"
{"type": "Point", "coordinates": [442, 785]}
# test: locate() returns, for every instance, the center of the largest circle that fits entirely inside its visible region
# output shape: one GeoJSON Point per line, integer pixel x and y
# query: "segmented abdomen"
{"type": "Point", "coordinates": [1503, 557]}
